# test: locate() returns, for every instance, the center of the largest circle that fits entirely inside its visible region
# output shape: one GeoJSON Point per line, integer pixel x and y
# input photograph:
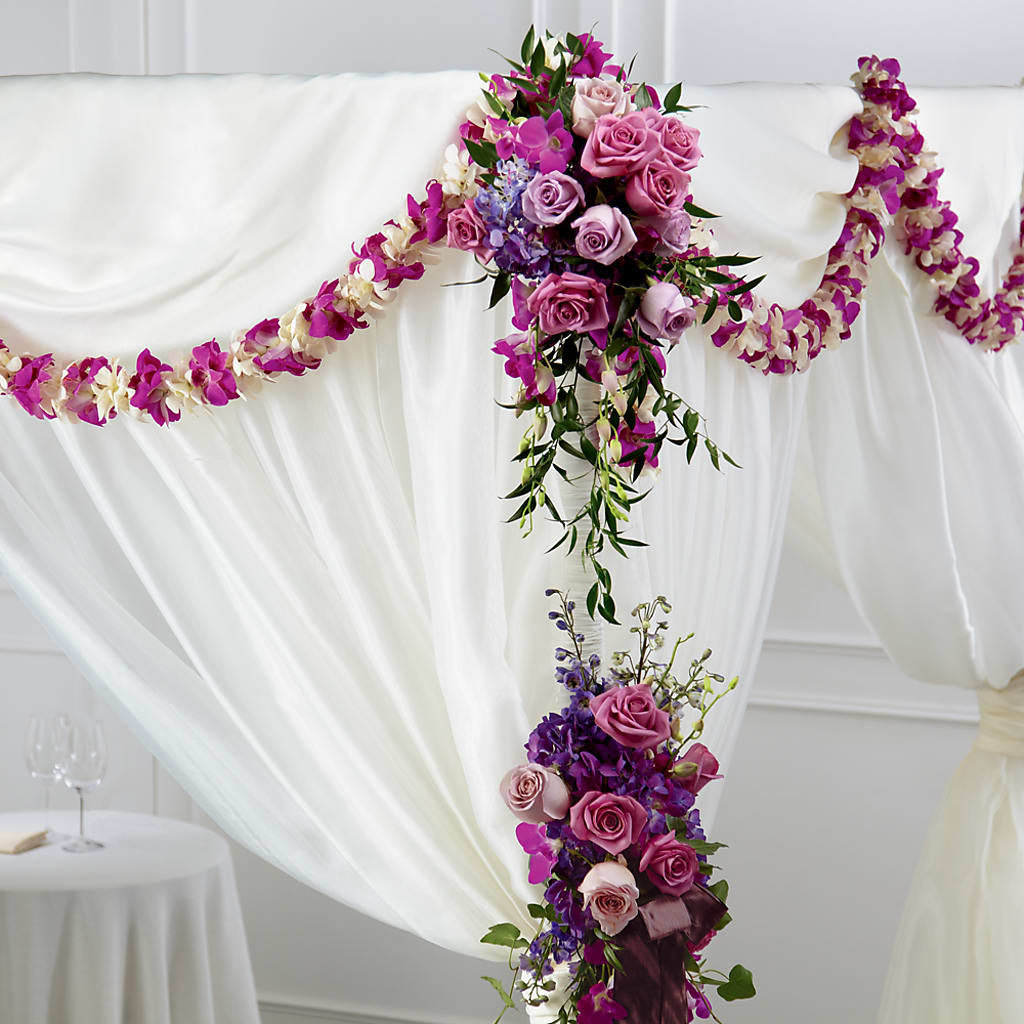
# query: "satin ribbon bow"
{"type": "Point", "coordinates": [650, 985]}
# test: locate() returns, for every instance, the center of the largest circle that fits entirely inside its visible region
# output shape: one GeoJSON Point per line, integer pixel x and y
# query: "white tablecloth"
{"type": "Point", "coordinates": [145, 931]}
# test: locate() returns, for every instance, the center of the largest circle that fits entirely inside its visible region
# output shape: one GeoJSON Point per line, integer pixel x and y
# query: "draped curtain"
{"type": "Point", "coordinates": [918, 446]}
{"type": "Point", "coordinates": [307, 604]}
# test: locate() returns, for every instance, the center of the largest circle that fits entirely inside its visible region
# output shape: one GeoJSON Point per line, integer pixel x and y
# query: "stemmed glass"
{"type": "Point", "coordinates": [46, 751]}
{"type": "Point", "coordinates": [86, 767]}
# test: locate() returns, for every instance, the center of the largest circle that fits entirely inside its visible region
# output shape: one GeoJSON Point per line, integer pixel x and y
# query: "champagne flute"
{"type": "Point", "coordinates": [86, 768]}
{"type": "Point", "coordinates": [46, 743]}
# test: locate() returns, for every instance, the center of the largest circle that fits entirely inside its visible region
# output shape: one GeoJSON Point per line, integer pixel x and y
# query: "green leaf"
{"type": "Point", "coordinates": [505, 935]}
{"type": "Point", "coordinates": [732, 462]}
{"type": "Point", "coordinates": [748, 285]}
{"type": "Point", "coordinates": [712, 451]}
{"type": "Point", "coordinates": [558, 78]}
{"type": "Point", "coordinates": [500, 288]}
{"type": "Point", "coordinates": [672, 97]}
{"type": "Point", "coordinates": [739, 986]}
{"type": "Point", "coordinates": [691, 421]}
{"type": "Point", "coordinates": [500, 989]}
{"type": "Point", "coordinates": [735, 313]}
{"type": "Point", "coordinates": [712, 306]}
{"type": "Point", "coordinates": [538, 61]}
{"type": "Point", "coordinates": [643, 97]}
{"type": "Point", "coordinates": [720, 889]}
{"type": "Point", "coordinates": [696, 211]}
{"type": "Point", "coordinates": [592, 596]}
{"type": "Point", "coordinates": [538, 911]}
{"type": "Point", "coordinates": [483, 153]}
{"type": "Point", "coordinates": [691, 447]}
{"type": "Point", "coordinates": [527, 48]}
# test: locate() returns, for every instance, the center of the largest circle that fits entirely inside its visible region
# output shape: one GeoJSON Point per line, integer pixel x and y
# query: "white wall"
{"type": "Point", "coordinates": [841, 758]}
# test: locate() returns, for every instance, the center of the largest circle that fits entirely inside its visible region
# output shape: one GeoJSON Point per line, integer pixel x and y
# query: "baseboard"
{"type": "Point", "coordinates": [276, 1008]}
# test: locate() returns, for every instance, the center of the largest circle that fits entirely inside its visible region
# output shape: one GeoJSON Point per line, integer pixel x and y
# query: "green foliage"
{"type": "Point", "coordinates": [739, 986]}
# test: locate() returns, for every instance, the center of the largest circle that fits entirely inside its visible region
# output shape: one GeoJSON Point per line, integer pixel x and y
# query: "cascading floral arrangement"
{"type": "Point", "coordinates": [584, 212]}
{"type": "Point", "coordinates": [607, 805]}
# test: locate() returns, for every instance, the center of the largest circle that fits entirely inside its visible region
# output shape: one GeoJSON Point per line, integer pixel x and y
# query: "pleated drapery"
{"type": "Point", "coordinates": [307, 604]}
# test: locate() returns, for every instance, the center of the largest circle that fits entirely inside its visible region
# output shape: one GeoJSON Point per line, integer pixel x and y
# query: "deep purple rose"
{"type": "Point", "coordinates": [535, 793]}
{"type": "Point", "coordinates": [551, 197]}
{"type": "Point", "coordinates": [670, 865]}
{"type": "Point", "coordinates": [680, 143]}
{"type": "Point", "coordinates": [657, 188]}
{"type": "Point", "coordinates": [467, 231]}
{"type": "Point", "coordinates": [612, 822]}
{"type": "Point", "coordinates": [665, 312]}
{"type": "Point", "coordinates": [570, 302]}
{"type": "Point", "coordinates": [618, 146]}
{"type": "Point", "coordinates": [603, 234]}
{"type": "Point", "coordinates": [631, 716]}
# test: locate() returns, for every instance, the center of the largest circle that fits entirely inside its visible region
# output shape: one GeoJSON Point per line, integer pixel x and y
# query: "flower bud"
{"type": "Point", "coordinates": [615, 449]}
{"type": "Point", "coordinates": [684, 769]}
{"type": "Point", "coordinates": [604, 429]}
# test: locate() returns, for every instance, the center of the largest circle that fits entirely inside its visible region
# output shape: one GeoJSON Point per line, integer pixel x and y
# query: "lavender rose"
{"type": "Point", "coordinates": [665, 313]}
{"type": "Point", "coordinates": [706, 767]}
{"type": "Point", "coordinates": [467, 231]}
{"type": "Point", "coordinates": [610, 892]}
{"type": "Point", "coordinates": [673, 231]}
{"type": "Point", "coordinates": [631, 716]}
{"type": "Point", "coordinates": [610, 821]}
{"type": "Point", "coordinates": [551, 197]}
{"type": "Point", "coordinates": [620, 145]}
{"type": "Point", "coordinates": [670, 865]}
{"type": "Point", "coordinates": [569, 302]}
{"type": "Point", "coordinates": [594, 98]}
{"type": "Point", "coordinates": [657, 188]}
{"type": "Point", "coordinates": [535, 793]}
{"type": "Point", "coordinates": [679, 141]}
{"type": "Point", "coordinates": [603, 234]}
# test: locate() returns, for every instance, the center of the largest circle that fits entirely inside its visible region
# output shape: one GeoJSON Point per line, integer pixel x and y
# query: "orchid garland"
{"type": "Point", "coordinates": [606, 802]}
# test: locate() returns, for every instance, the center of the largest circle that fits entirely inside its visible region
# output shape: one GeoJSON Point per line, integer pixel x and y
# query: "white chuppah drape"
{"type": "Point", "coordinates": [918, 446]}
{"type": "Point", "coordinates": [307, 604]}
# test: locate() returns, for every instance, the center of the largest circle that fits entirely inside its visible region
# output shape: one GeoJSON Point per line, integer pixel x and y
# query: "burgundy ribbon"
{"type": "Point", "coordinates": [650, 985]}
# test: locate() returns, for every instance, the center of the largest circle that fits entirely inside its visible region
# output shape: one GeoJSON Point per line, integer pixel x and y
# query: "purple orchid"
{"type": "Point", "coordinates": [150, 389]}
{"type": "Point", "coordinates": [545, 144]}
{"type": "Point", "coordinates": [209, 371]}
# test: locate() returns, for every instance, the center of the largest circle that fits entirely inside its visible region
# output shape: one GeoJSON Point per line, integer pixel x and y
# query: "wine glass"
{"type": "Point", "coordinates": [46, 748]}
{"type": "Point", "coordinates": [86, 767]}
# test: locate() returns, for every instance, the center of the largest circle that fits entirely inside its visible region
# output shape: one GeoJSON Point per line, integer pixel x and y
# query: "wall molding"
{"type": "Point", "coordinates": [873, 707]}
{"type": "Point", "coordinates": [294, 1009]}
{"type": "Point", "coordinates": [823, 643]}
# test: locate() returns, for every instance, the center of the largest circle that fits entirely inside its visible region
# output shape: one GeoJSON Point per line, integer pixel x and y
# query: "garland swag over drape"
{"type": "Point", "coordinates": [307, 605]}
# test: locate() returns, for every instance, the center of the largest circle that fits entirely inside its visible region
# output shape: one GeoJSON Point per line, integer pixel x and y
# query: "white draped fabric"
{"type": "Point", "coordinates": [307, 604]}
{"type": "Point", "coordinates": [918, 446]}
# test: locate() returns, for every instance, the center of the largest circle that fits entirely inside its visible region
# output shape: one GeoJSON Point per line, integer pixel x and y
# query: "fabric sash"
{"type": "Point", "coordinates": [650, 986]}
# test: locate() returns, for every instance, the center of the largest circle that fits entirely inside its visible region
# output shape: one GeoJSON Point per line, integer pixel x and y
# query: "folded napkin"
{"type": "Point", "coordinates": [21, 842]}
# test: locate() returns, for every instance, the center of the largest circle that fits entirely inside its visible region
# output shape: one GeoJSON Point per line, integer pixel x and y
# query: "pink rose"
{"type": "Point", "coordinates": [631, 716]}
{"type": "Point", "coordinates": [657, 188]}
{"type": "Point", "coordinates": [551, 197]}
{"type": "Point", "coordinates": [707, 767]}
{"type": "Point", "coordinates": [665, 312]}
{"type": "Point", "coordinates": [673, 231]}
{"type": "Point", "coordinates": [569, 302]}
{"type": "Point", "coordinates": [594, 98]}
{"type": "Point", "coordinates": [610, 821]}
{"type": "Point", "coordinates": [670, 865]}
{"type": "Point", "coordinates": [609, 891]}
{"type": "Point", "coordinates": [680, 143]}
{"type": "Point", "coordinates": [603, 234]}
{"type": "Point", "coordinates": [619, 145]}
{"type": "Point", "coordinates": [535, 793]}
{"type": "Point", "coordinates": [467, 231]}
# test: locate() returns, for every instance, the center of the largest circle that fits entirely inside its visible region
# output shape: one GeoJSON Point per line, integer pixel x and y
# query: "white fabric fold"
{"type": "Point", "coordinates": [307, 604]}
{"type": "Point", "coordinates": [918, 443]}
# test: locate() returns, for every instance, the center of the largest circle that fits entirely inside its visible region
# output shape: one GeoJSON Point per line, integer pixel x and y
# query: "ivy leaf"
{"type": "Point", "coordinates": [739, 986]}
{"type": "Point", "coordinates": [505, 935]}
{"type": "Point", "coordinates": [500, 989]}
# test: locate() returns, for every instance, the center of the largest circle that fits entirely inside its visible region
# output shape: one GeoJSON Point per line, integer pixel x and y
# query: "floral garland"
{"type": "Point", "coordinates": [897, 183]}
{"type": "Point", "coordinates": [606, 802]}
{"type": "Point", "coordinates": [97, 389]}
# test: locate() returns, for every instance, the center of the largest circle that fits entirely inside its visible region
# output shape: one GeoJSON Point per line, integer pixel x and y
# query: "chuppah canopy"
{"type": "Point", "coordinates": [304, 602]}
